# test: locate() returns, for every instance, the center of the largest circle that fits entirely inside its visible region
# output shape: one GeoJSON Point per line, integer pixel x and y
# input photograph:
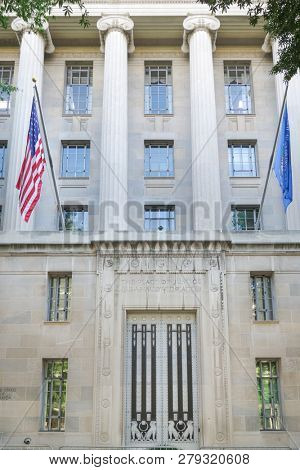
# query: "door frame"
{"type": "Point", "coordinates": [124, 344]}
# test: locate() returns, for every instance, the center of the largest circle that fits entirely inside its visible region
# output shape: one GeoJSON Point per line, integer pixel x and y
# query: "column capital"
{"type": "Point", "coordinates": [267, 45]}
{"type": "Point", "coordinates": [116, 23]}
{"type": "Point", "coordinates": [193, 23]}
{"type": "Point", "coordinates": [20, 27]}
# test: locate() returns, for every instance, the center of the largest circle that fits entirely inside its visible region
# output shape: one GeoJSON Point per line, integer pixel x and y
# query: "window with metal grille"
{"type": "Point", "coordinates": [79, 89]}
{"type": "Point", "coordinates": [238, 93]}
{"type": "Point", "coordinates": [244, 218]}
{"type": "Point", "coordinates": [60, 288]}
{"type": "Point", "coordinates": [75, 161]}
{"type": "Point", "coordinates": [160, 218]}
{"type": "Point", "coordinates": [55, 394]}
{"type": "Point", "coordinates": [267, 374]}
{"type": "Point", "coordinates": [158, 89]}
{"type": "Point", "coordinates": [76, 218]}
{"type": "Point", "coordinates": [3, 147]}
{"type": "Point", "coordinates": [159, 160]}
{"type": "Point", "coordinates": [262, 297]}
{"type": "Point", "coordinates": [242, 159]}
{"type": "Point", "coordinates": [6, 78]}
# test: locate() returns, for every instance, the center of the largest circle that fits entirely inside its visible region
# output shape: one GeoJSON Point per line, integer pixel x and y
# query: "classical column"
{"type": "Point", "coordinates": [293, 212]}
{"type": "Point", "coordinates": [31, 64]}
{"type": "Point", "coordinates": [199, 39]}
{"type": "Point", "coordinates": [116, 37]}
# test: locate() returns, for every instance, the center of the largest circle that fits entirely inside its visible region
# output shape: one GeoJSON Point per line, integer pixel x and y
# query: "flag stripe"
{"type": "Point", "coordinates": [30, 177]}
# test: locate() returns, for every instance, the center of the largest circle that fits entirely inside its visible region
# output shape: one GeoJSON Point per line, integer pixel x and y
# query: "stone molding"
{"type": "Point", "coordinates": [159, 248]}
{"type": "Point", "coordinates": [267, 45]}
{"type": "Point", "coordinates": [194, 23]}
{"type": "Point", "coordinates": [116, 23]}
{"type": "Point", "coordinates": [20, 27]}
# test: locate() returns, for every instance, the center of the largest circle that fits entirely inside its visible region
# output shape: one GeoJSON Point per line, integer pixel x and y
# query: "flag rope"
{"type": "Point", "coordinates": [36, 94]}
{"type": "Point", "coordinates": [257, 223]}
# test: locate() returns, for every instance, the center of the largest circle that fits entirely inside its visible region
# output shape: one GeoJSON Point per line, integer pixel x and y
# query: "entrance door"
{"type": "Point", "coordinates": [161, 382]}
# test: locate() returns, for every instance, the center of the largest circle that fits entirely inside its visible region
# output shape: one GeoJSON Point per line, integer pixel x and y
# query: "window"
{"type": "Point", "coordinates": [6, 78]}
{"type": "Point", "coordinates": [79, 89]}
{"type": "Point", "coordinates": [2, 158]}
{"type": "Point", "coordinates": [268, 394]}
{"type": "Point", "coordinates": [55, 389]}
{"type": "Point", "coordinates": [242, 160]}
{"type": "Point", "coordinates": [59, 297]}
{"type": "Point", "coordinates": [159, 159]}
{"type": "Point", "coordinates": [262, 297]}
{"type": "Point", "coordinates": [244, 218]}
{"type": "Point", "coordinates": [238, 89]}
{"type": "Point", "coordinates": [158, 89]}
{"type": "Point", "coordinates": [75, 161]}
{"type": "Point", "coordinates": [160, 218]}
{"type": "Point", "coordinates": [76, 218]}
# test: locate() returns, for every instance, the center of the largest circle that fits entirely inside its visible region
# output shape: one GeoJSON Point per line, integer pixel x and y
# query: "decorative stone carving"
{"type": "Point", "coordinates": [196, 22]}
{"type": "Point", "coordinates": [119, 23]}
{"type": "Point", "coordinates": [20, 26]}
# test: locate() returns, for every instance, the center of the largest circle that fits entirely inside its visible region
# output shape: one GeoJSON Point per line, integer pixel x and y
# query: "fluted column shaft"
{"type": "Point", "coordinates": [114, 141]}
{"type": "Point", "coordinates": [199, 33]}
{"type": "Point", "coordinates": [293, 212]}
{"type": "Point", "coordinates": [31, 63]}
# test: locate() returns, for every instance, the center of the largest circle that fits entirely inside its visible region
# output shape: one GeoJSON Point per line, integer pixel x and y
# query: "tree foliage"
{"type": "Point", "coordinates": [281, 21]}
{"type": "Point", "coordinates": [37, 11]}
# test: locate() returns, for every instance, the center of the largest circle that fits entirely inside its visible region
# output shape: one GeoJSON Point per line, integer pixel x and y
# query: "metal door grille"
{"type": "Point", "coordinates": [161, 393]}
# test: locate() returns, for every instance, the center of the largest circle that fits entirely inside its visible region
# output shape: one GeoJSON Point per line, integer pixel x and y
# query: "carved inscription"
{"type": "Point", "coordinates": [7, 393]}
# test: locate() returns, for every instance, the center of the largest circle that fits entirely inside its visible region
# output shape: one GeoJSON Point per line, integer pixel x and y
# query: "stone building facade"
{"type": "Point", "coordinates": [161, 316]}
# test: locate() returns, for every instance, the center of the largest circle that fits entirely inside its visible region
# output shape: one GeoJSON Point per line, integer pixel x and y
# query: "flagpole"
{"type": "Point", "coordinates": [271, 160]}
{"type": "Point", "coordinates": [36, 94]}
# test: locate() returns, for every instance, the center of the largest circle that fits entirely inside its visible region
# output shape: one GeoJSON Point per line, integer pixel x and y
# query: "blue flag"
{"type": "Point", "coordinates": [282, 164]}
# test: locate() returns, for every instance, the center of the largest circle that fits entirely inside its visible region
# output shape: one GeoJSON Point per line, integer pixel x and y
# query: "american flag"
{"type": "Point", "coordinates": [30, 178]}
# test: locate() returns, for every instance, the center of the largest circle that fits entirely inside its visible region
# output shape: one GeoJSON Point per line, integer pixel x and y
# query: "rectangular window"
{"type": "Point", "coordinates": [159, 161]}
{"type": "Point", "coordinates": [59, 297]}
{"type": "Point", "coordinates": [158, 89]}
{"type": "Point", "coordinates": [79, 89]}
{"type": "Point", "coordinates": [75, 162]}
{"type": "Point", "coordinates": [160, 218]}
{"type": "Point", "coordinates": [262, 297]}
{"type": "Point", "coordinates": [267, 374]}
{"type": "Point", "coordinates": [6, 78]}
{"type": "Point", "coordinates": [3, 147]}
{"type": "Point", "coordinates": [244, 218]}
{"type": "Point", "coordinates": [55, 390]}
{"type": "Point", "coordinates": [238, 93]}
{"type": "Point", "coordinates": [76, 218]}
{"type": "Point", "coordinates": [242, 160]}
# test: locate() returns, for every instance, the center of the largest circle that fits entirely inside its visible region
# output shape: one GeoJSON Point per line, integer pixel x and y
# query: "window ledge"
{"type": "Point", "coordinates": [265, 322]}
{"type": "Point", "coordinates": [241, 114]}
{"type": "Point", "coordinates": [56, 322]}
{"type": "Point", "coordinates": [151, 178]}
{"type": "Point", "coordinates": [76, 115]}
{"type": "Point", "coordinates": [72, 178]}
{"type": "Point", "coordinates": [244, 177]}
{"type": "Point", "coordinates": [273, 430]}
{"type": "Point", "coordinates": [161, 114]}
{"type": "Point", "coordinates": [45, 431]}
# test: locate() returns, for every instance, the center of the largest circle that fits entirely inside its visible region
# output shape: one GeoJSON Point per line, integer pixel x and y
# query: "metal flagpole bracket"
{"type": "Point", "coordinates": [36, 95]}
